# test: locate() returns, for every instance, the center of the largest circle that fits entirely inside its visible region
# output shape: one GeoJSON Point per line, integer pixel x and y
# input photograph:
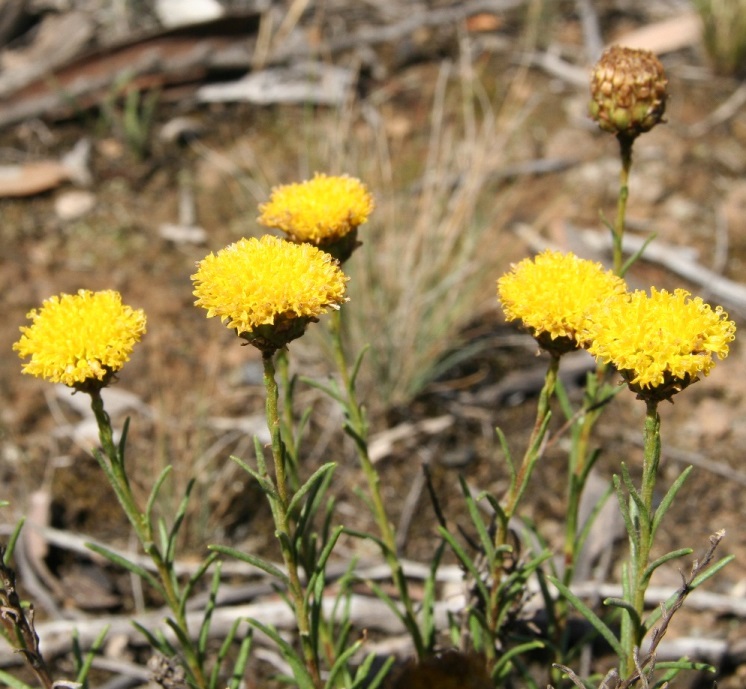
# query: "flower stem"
{"type": "Point", "coordinates": [168, 586]}
{"type": "Point", "coordinates": [518, 484]}
{"type": "Point", "coordinates": [358, 427]}
{"type": "Point", "coordinates": [282, 519]}
{"type": "Point", "coordinates": [625, 152]}
{"type": "Point", "coordinates": [651, 459]}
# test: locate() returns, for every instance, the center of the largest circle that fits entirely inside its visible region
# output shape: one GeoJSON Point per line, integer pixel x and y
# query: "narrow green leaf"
{"type": "Point", "coordinates": [239, 667]}
{"type": "Point", "coordinates": [624, 510]}
{"type": "Point", "coordinates": [429, 629]}
{"type": "Point", "coordinates": [332, 390]}
{"type": "Point", "coordinates": [466, 562]}
{"type": "Point", "coordinates": [316, 478]}
{"type": "Point", "coordinates": [356, 366]}
{"type": "Point", "coordinates": [711, 571]}
{"type": "Point", "coordinates": [181, 634]}
{"type": "Point", "coordinates": [634, 493]}
{"type": "Point", "coordinates": [254, 560]}
{"type": "Point", "coordinates": [586, 529]}
{"type": "Point", "coordinates": [162, 535]}
{"type": "Point", "coordinates": [627, 607]}
{"type": "Point", "coordinates": [328, 548]}
{"type": "Point", "coordinates": [340, 664]}
{"type": "Point", "coordinates": [589, 464]}
{"type": "Point", "coordinates": [362, 675]}
{"type": "Point", "coordinates": [204, 628]}
{"type": "Point", "coordinates": [354, 433]}
{"type": "Point", "coordinates": [387, 600]}
{"type": "Point", "coordinates": [698, 581]}
{"type": "Point", "coordinates": [264, 481]}
{"type": "Point", "coordinates": [87, 664]}
{"type": "Point", "coordinates": [598, 624]}
{"type": "Point", "coordinates": [178, 520]}
{"type": "Point", "coordinates": [299, 431]}
{"type": "Point", "coordinates": [300, 673]}
{"type": "Point", "coordinates": [123, 440]}
{"type": "Point", "coordinates": [476, 519]}
{"type": "Point", "coordinates": [506, 451]}
{"type": "Point", "coordinates": [682, 552]}
{"type": "Point", "coordinates": [12, 682]}
{"type": "Point", "coordinates": [684, 665]}
{"type": "Point", "coordinates": [121, 561]}
{"type": "Point", "coordinates": [10, 548]}
{"type": "Point", "coordinates": [225, 647]}
{"type": "Point", "coordinates": [369, 537]}
{"type": "Point", "coordinates": [154, 493]}
{"type": "Point", "coordinates": [505, 660]}
{"type": "Point", "coordinates": [500, 515]}
{"type": "Point", "coordinates": [158, 642]}
{"type": "Point", "coordinates": [636, 256]}
{"type": "Point", "coordinates": [194, 579]}
{"type": "Point", "coordinates": [660, 512]}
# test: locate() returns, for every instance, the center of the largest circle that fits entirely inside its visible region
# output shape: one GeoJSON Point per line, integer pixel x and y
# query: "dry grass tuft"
{"type": "Point", "coordinates": [724, 27]}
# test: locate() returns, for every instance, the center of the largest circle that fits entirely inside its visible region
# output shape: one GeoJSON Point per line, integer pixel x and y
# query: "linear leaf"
{"type": "Point", "coordinates": [123, 562]}
{"type": "Point", "coordinates": [660, 512]}
{"type": "Point", "coordinates": [598, 624]}
{"type": "Point", "coordinates": [312, 481]}
{"type": "Point", "coordinates": [254, 560]}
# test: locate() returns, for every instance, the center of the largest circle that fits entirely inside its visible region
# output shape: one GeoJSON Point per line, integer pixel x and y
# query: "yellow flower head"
{"type": "Point", "coordinates": [268, 289]}
{"type": "Point", "coordinates": [81, 338]}
{"type": "Point", "coordinates": [660, 343]}
{"type": "Point", "coordinates": [553, 294]}
{"type": "Point", "coordinates": [321, 211]}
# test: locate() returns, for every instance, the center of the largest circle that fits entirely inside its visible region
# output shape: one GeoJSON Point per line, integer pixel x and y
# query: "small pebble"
{"type": "Point", "coordinates": [74, 204]}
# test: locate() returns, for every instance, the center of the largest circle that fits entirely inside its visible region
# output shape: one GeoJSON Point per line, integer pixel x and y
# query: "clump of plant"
{"type": "Point", "coordinates": [269, 291]}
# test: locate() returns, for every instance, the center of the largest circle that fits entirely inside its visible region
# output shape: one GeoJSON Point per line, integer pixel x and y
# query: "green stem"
{"type": "Point", "coordinates": [641, 541]}
{"type": "Point", "coordinates": [625, 152]}
{"type": "Point", "coordinates": [359, 426]}
{"type": "Point", "coordinates": [520, 481]}
{"type": "Point", "coordinates": [651, 459]}
{"type": "Point", "coordinates": [144, 532]}
{"type": "Point", "coordinates": [282, 518]}
{"type": "Point", "coordinates": [578, 468]}
{"type": "Point", "coordinates": [518, 484]}
{"type": "Point", "coordinates": [287, 427]}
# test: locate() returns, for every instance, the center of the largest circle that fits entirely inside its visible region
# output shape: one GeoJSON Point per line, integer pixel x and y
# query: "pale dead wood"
{"type": "Point", "coordinates": [665, 36]}
{"type": "Point", "coordinates": [697, 459]}
{"type": "Point", "coordinates": [727, 292]}
{"type": "Point", "coordinates": [365, 613]}
{"type": "Point", "coordinates": [60, 38]}
{"type": "Point", "coordinates": [189, 54]}
{"type": "Point", "coordinates": [724, 112]}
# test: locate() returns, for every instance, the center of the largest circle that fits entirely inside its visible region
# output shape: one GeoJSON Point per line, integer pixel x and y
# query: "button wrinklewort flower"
{"type": "Point", "coordinates": [628, 91]}
{"type": "Point", "coordinates": [660, 343]}
{"type": "Point", "coordinates": [553, 294]}
{"type": "Point", "coordinates": [81, 338]}
{"type": "Point", "coordinates": [323, 211]}
{"type": "Point", "coordinates": [268, 289]}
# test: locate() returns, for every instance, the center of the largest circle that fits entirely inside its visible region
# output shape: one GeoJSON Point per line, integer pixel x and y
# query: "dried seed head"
{"type": "Point", "coordinates": [628, 91]}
